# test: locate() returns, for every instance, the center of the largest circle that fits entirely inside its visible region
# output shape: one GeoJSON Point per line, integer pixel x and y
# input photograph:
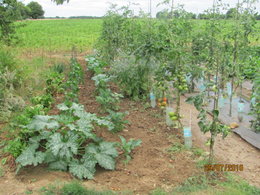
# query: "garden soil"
{"type": "Point", "coordinates": [232, 150]}
{"type": "Point", "coordinates": [152, 166]}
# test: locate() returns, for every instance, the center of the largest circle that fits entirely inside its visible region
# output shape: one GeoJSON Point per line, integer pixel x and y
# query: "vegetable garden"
{"type": "Point", "coordinates": [126, 103]}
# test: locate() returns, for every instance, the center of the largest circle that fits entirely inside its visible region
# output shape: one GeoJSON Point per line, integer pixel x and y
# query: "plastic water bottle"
{"type": "Point", "coordinates": [187, 137]}
{"type": "Point", "coordinates": [153, 100]}
{"type": "Point", "coordinates": [241, 106]}
{"type": "Point", "coordinates": [229, 89]}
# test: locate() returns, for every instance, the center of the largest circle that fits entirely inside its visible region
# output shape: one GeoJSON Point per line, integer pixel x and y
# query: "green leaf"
{"type": "Point", "coordinates": [123, 140]}
{"type": "Point", "coordinates": [104, 153]}
{"type": "Point", "coordinates": [91, 149]}
{"type": "Point", "coordinates": [100, 79]}
{"type": "Point", "coordinates": [84, 168]}
{"type": "Point", "coordinates": [41, 122]}
{"type": "Point", "coordinates": [85, 126]}
{"type": "Point", "coordinates": [134, 143]}
{"type": "Point", "coordinates": [65, 119]}
{"type": "Point", "coordinates": [77, 109]}
{"type": "Point", "coordinates": [106, 161]}
{"type": "Point", "coordinates": [190, 100]}
{"type": "Point", "coordinates": [105, 122]}
{"type": "Point", "coordinates": [50, 157]}
{"type": "Point", "coordinates": [108, 148]}
{"type": "Point", "coordinates": [63, 146]}
{"type": "Point", "coordinates": [62, 107]}
{"type": "Point", "coordinates": [30, 157]}
{"type": "Point", "coordinates": [59, 165]}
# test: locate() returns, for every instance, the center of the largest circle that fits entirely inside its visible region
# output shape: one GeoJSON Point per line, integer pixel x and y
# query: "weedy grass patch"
{"type": "Point", "coordinates": [72, 188]}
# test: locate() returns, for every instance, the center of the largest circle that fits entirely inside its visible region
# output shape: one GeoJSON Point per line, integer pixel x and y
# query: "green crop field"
{"type": "Point", "coordinates": [227, 24]}
{"type": "Point", "coordinates": [58, 35]}
{"type": "Point", "coordinates": [62, 35]}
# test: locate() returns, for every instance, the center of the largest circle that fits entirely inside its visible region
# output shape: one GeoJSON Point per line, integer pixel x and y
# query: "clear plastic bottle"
{"type": "Point", "coordinates": [153, 100]}
{"type": "Point", "coordinates": [187, 137]}
{"type": "Point", "coordinates": [241, 106]}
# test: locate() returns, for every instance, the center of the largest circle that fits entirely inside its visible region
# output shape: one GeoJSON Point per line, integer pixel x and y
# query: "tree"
{"type": "Point", "coordinates": [36, 10]}
{"type": "Point", "coordinates": [8, 14]}
{"type": "Point", "coordinates": [257, 16]}
{"type": "Point", "coordinates": [162, 14]}
{"type": "Point", "coordinates": [24, 10]}
{"type": "Point", "coordinates": [60, 1]}
{"type": "Point", "coordinates": [203, 16]}
{"type": "Point", "coordinates": [231, 13]}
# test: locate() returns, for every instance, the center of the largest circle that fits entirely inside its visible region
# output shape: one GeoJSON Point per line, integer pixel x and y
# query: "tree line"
{"type": "Point", "coordinates": [230, 14]}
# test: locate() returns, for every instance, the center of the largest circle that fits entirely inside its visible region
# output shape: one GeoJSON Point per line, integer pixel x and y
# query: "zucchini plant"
{"type": "Point", "coordinates": [67, 142]}
{"type": "Point", "coordinates": [127, 147]}
{"type": "Point", "coordinates": [108, 100]}
{"type": "Point", "coordinates": [94, 66]}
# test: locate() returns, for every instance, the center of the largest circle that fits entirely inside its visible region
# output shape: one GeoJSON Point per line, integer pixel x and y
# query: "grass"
{"type": "Point", "coordinates": [73, 188]}
{"type": "Point", "coordinates": [58, 35]}
{"type": "Point", "coordinates": [34, 72]}
{"type": "Point", "coordinates": [176, 147]}
{"type": "Point", "coordinates": [232, 185]}
{"type": "Point", "coordinates": [197, 185]}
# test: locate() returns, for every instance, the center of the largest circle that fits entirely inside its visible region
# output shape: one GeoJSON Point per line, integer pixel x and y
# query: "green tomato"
{"type": "Point", "coordinates": [174, 118]}
{"type": "Point", "coordinates": [214, 88]}
{"type": "Point", "coordinates": [171, 114]}
{"type": "Point", "coordinates": [180, 88]}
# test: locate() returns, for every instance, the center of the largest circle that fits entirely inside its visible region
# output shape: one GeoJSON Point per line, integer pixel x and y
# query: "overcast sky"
{"type": "Point", "coordinates": [99, 7]}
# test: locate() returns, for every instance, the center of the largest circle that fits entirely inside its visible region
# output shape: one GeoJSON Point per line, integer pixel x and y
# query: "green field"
{"type": "Point", "coordinates": [227, 25]}
{"type": "Point", "coordinates": [58, 35]}
{"type": "Point", "coordinates": [62, 35]}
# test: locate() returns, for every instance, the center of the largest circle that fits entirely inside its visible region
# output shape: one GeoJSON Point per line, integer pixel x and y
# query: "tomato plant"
{"type": "Point", "coordinates": [213, 67]}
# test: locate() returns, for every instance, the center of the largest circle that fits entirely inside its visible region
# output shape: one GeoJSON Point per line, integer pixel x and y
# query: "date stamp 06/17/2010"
{"type": "Point", "coordinates": [224, 167]}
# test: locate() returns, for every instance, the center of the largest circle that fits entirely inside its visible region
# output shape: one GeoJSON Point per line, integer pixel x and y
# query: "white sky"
{"type": "Point", "coordinates": [99, 7]}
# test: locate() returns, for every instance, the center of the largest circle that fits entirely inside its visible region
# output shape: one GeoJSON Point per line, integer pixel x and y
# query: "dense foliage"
{"type": "Point", "coordinates": [67, 141]}
{"type": "Point", "coordinates": [12, 10]}
{"type": "Point", "coordinates": [171, 56]}
{"type": "Point", "coordinates": [35, 10]}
